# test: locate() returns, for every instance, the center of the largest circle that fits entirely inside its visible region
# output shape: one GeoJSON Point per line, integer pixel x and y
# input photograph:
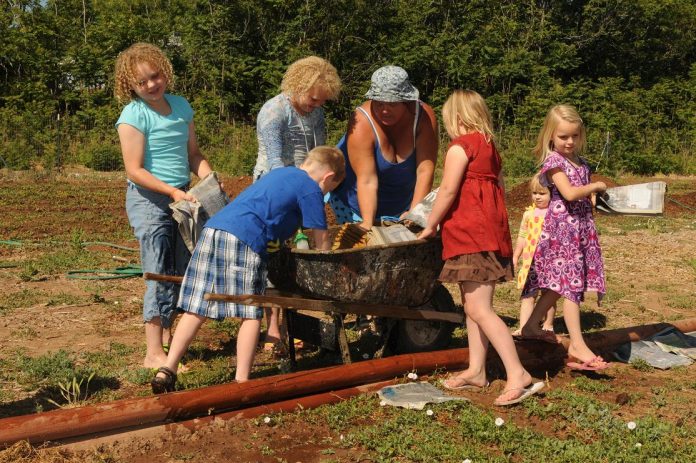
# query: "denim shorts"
{"type": "Point", "coordinates": [151, 218]}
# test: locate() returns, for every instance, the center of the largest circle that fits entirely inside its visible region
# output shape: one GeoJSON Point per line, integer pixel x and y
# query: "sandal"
{"type": "Point", "coordinates": [160, 385]}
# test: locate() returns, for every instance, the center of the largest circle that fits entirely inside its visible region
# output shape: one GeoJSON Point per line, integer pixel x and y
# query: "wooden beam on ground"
{"type": "Point", "coordinates": [321, 305]}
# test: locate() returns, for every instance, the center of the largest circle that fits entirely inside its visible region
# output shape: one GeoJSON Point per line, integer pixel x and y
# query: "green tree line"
{"type": "Point", "coordinates": [628, 65]}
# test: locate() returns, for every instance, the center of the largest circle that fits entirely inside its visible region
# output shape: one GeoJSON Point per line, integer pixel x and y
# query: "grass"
{"type": "Point", "coordinates": [590, 430]}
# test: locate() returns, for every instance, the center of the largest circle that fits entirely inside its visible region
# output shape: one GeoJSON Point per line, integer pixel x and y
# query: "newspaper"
{"type": "Point", "coordinates": [663, 350]}
{"type": "Point", "coordinates": [191, 216]}
{"type": "Point", "coordinates": [419, 214]}
{"type": "Point", "coordinates": [396, 233]}
{"type": "Point", "coordinates": [640, 199]}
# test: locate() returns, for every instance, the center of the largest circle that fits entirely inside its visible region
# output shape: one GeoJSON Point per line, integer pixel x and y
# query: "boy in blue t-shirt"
{"type": "Point", "coordinates": [230, 256]}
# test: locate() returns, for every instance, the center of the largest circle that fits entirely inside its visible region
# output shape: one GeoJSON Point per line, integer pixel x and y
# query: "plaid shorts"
{"type": "Point", "coordinates": [224, 265]}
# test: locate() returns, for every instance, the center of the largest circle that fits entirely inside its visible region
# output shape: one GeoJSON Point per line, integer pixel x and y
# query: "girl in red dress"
{"type": "Point", "coordinates": [477, 248]}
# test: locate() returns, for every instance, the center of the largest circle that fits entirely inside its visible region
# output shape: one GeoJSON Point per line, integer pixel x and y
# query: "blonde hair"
{"type": "Point", "coordinates": [535, 184]}
{"type": "Point", "coordinates": [468, 108]}
{"type": "Point", "coordinates": [307, 72]}
{"type": "Point", "coordinates": [544, 145]}
{"type": "Point", "coordinates": [128, 60]}
{"type": "Point", "coordinates": [328, 156]}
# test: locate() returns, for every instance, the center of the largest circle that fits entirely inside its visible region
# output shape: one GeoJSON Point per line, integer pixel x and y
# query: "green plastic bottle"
{"type": "Point", "coordinates": [301, 240]}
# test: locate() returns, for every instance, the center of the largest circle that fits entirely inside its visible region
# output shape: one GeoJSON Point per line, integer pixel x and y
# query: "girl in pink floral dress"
{"type": "Point", "coordinates": [568, 258]}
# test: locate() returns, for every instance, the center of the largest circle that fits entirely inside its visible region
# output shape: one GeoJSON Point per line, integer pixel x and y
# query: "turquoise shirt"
{"type": "Point", "coordinates": [166, 138]}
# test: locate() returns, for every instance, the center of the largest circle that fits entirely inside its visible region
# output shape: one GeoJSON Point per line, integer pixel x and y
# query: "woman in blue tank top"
{"type": "Point", "coordinates": [391, 150]}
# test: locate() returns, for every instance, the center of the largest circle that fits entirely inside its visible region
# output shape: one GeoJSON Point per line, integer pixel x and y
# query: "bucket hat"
{"type": "Point", "coordinates": [391, 85]}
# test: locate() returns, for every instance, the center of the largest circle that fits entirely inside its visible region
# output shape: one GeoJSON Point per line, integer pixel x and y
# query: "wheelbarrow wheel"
{"type": "Point", "coordinates": [421, 336]}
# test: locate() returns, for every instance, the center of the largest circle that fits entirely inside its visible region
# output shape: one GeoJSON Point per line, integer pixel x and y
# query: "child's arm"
{"type": "Point", "coordinates": [321, 239]}
{"type": "Point", "coordinates": [521, 238]}
{"type": "Point", "coordinates": [133, 151]}
{"type": "Point", "coordinates": [570, 192]}
{"type": "Point", "coordinates": [519, 247]}
{"type": "Point", "coordinates": [197, 162]}
{"type": "Point", "coordinates": [453, 172]}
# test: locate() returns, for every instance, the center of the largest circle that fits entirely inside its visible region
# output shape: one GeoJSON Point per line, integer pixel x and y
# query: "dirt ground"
{"type": "Point", "coordinates": [648, 282]}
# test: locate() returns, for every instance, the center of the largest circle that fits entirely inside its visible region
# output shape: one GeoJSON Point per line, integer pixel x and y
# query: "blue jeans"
{"type": "Point", "coordinates": [151, 218]}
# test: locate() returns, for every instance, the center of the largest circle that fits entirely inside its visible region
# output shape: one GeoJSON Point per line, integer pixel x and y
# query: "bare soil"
{"type": "Point", "coordinates": [648, 282]}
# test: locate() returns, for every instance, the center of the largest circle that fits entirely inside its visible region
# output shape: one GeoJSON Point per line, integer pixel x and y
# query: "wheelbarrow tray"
{"type": "Point", "coordinates": [396, 274]}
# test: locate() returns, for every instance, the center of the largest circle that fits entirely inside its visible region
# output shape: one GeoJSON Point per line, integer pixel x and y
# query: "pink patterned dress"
{"type": "Point", "coordinates": [568, 258]}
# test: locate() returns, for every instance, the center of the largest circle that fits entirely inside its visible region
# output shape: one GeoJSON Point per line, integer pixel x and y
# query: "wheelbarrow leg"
{"type": "Point", "coordinates": [290, 321]}
{"type": "Point", "coordinates": [386, 333]}
{"type": "Point", "coordinates": [342, 338]}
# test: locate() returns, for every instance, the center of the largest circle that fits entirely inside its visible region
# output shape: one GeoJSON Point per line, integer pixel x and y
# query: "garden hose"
{"type": "Point", "coordinates": [106, 274]}
{"type": "Point", "coordinates": [681, 204]}
{"type": "Point", "coordinates": [11, 242]}
{"type": "Point", "coordinates": [104, 243]}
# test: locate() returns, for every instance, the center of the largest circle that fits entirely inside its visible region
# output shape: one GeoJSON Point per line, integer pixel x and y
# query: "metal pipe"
{"type": "Point", "coordinates": [86, 442]}
{"type": "Point", "coordinates": [65, 423]}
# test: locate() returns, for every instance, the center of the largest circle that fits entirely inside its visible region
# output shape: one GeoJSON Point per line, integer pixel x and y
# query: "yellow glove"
{"type": "Point", "coordinates": [273, 246]}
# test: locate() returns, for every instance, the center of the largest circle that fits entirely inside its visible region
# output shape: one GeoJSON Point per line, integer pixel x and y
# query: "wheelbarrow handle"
{"type": "Point", "coordinates": [160, 277]}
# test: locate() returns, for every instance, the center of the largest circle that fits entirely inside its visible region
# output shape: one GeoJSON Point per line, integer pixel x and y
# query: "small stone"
{"type": "Point", "coordinates": [622, 398]}
{"type": "Point", "coordinates": [499, 421]}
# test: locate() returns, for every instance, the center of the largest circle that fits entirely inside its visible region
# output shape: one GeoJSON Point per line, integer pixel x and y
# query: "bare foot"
{"type": "Point", "coordinates": [514, 385]}
{"type": "Point", "coordinates": [582, 352]}
{"type": "Point", "coordinates": [155, 361]}
{"type": "Point", "coordinates": [466, 378]}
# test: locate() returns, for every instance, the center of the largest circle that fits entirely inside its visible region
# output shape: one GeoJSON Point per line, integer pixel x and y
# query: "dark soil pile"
{"type": "Point", "coordinates": [679, 204]}
{"type": "Point", "coordinates": [235, 185]}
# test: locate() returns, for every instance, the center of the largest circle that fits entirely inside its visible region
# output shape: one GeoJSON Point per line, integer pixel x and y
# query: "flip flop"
{"type": "Point", "coordinates": [525, 392]}
{"type": "Point", "coordinates": [594, 364]}
{"type": "Point", "coordinates": [466, 386]}
{"type": "Point", "coordinates": [544, 336]}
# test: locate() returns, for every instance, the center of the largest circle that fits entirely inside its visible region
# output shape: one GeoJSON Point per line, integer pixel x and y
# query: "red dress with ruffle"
{"type": "Point", "coordinates": [477, 221]}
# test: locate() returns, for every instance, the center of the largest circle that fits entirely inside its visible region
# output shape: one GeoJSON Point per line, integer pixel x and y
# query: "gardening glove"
{"type": "Point", "coordinates": [273, 246]}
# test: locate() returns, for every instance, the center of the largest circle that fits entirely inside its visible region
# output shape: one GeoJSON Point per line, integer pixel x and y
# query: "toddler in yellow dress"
{"type": "Point", "coordinates": [527, 239]}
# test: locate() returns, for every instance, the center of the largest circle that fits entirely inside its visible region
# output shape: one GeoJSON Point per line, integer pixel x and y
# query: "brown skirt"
{"type": "Point", "coordinates": [480, 266]}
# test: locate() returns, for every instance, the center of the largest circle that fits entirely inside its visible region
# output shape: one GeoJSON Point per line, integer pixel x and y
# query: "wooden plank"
{"type": "Point", "coordinates": [159, 277]}
{"type": "Point", "coordinates": [320, 305]}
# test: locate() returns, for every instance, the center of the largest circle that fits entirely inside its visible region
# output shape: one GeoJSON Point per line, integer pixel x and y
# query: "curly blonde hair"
{"type": "Point", "coordinates": [468, 108]}
{"type": "Point", "coordinates": [126, 63]}
{"type": "Point", "coordinates": [558, 113]}
{"type": "Point", "coordinates": [307, 72]}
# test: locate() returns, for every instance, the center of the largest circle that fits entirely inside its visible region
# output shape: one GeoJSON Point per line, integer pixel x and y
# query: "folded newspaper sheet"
{"type": "Point", "coordinates": [396, 233]}
{"type": "Point", "coordinates": [641, 199]}
{"type": "Point", "coordinates": [191, 216]}
{"type": "Point", "coordinates": [419, 214]}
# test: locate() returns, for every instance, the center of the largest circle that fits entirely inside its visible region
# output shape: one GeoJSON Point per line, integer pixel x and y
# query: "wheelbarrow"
{"type": "Point", "coordinates": [397, 283]}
